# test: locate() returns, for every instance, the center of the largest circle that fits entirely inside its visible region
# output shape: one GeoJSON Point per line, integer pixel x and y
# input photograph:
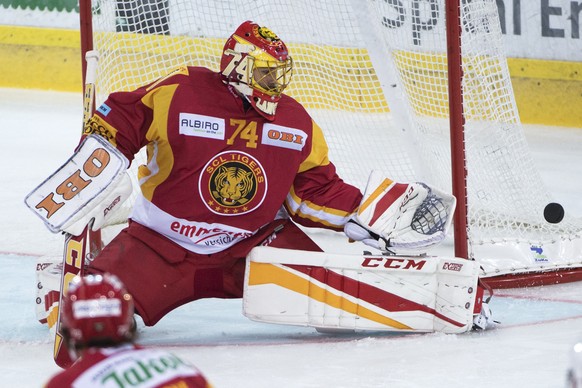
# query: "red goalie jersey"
{"type": "Point", "coordinates": [225, 153]}
{"type": "Point", "coordinates": [217, 170]}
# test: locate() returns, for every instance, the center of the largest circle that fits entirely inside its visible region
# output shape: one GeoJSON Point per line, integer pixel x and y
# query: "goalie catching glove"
{"type": "Point", "coordinates": [401, 216]}
{"type": "Point", "coordinates": [89, 186]}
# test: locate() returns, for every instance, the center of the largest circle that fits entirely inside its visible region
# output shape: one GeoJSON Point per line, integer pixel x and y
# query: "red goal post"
{"type": "Point", "coordinates": [390, 93]}
{"type": "Point", "coordinates": [457, 126]}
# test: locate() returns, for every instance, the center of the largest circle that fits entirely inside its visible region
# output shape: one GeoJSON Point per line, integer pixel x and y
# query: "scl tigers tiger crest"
{"type": "Point", "coordinates": [233, 183]}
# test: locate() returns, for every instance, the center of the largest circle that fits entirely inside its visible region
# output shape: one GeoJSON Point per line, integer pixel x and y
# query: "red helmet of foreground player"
{"type": "Point", "coordinates": [97, 311]}
{"type": "Point", "coordinates": [256, 62]}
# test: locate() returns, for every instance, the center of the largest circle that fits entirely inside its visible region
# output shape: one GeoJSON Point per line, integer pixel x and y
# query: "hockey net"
{"type": "Point", "coordinates": [373, 74]}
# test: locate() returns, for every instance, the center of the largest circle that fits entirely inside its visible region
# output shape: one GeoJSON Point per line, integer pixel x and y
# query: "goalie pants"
{"type": "Point", "coordinates": [161, 275]}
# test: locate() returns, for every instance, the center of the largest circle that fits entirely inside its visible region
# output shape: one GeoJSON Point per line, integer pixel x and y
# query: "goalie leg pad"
{"type": "Point", "coordinates": [380, 293]}
{"type": "Point", "coordinates": [48, 284]}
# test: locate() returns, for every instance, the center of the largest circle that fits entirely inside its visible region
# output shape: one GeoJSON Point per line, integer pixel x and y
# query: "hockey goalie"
{"type": "Point", "coordinates": [233, 165]}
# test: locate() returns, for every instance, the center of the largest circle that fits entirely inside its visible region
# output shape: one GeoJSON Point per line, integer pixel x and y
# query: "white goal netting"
{"type": "Point", "coordinates": [373, 74]}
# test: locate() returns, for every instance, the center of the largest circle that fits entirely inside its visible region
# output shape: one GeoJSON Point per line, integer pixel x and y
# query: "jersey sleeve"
{"type": "Point", "coordinates": [125, 117]}
{"type": "Point", "coordinates": [318, 196]}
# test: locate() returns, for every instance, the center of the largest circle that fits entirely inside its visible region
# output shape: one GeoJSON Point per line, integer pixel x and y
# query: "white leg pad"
{"type": "Point", "coordinates": [48, 285]}
{"type": "Point", "coordinates": [360, 292]}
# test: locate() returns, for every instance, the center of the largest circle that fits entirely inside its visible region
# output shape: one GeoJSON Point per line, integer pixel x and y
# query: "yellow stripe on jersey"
{"type": "Point", "coordinates": [318, 155]}
{"type": "Point", "coordinates": [160, 154]}
{"type": "Point", "coordinates": [180, 70]}
{"type": "Point", "coordinates": [305, 209]}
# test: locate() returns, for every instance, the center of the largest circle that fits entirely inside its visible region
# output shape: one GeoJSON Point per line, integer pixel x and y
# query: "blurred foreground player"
{"type": "Point", "coordinates": [98, 327]}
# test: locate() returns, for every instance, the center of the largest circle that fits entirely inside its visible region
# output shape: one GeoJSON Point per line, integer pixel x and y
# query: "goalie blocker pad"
{"type": "Point", "coordinates": [90, 185]}
{"type": "Point", "coordinates": [368, 292]}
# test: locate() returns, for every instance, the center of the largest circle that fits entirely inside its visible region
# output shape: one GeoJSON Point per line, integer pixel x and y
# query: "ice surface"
{"type": "Point", "coordinates": [530, 349]}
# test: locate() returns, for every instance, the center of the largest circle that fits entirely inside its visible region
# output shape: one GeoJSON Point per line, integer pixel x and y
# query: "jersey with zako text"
{"type": "Point", "coordinates": [216, 169]}
{"type": "Point", "coordinates": [129, 366]}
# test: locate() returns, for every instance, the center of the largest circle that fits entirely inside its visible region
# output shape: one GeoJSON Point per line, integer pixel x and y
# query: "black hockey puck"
{"type": "Point", "coordinates": [553, 213]}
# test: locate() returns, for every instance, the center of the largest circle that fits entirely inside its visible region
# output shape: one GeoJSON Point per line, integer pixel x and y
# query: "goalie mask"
{"type": "Point", "coordinates": [257, 64]}
{"type": "Point", "coordinates": [97, 311]}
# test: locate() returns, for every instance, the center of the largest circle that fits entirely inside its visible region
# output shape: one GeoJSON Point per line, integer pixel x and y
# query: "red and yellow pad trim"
{"type": "Point", "coordinates": [318, 283]}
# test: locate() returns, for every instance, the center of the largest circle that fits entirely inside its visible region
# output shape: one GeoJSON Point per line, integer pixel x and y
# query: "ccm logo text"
{"type": "Point", "coordinates": [393, 262]}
